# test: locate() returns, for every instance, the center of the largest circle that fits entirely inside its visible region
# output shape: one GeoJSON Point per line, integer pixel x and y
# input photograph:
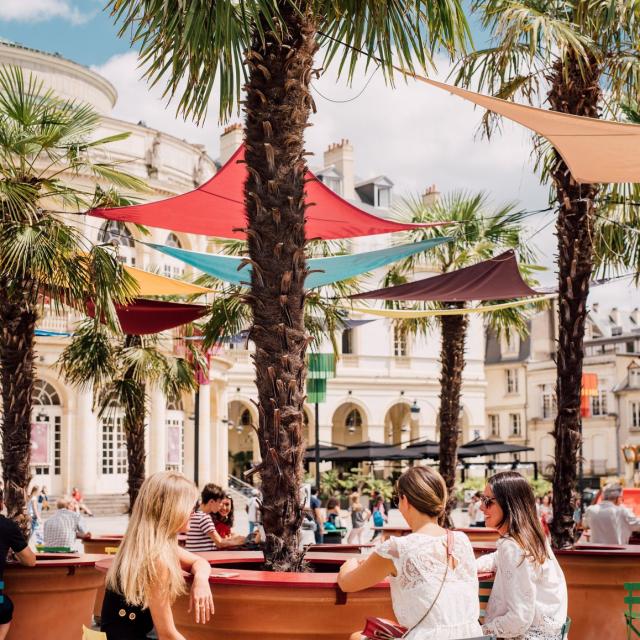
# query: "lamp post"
{"type": "Point", "coordinates": [196, 437]}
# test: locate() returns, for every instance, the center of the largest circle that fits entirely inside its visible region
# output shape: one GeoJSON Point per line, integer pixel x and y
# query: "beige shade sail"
{"type": "Point", "coordinates": [596, 151]}
{"type": "Point", "coordinates": [152, 284]}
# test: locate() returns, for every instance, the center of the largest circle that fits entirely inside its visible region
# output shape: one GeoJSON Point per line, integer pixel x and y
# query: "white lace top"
{"type": "Point", "coordinates": [420, 560]}
{"type": "Point", "coordinates": [528, 601]}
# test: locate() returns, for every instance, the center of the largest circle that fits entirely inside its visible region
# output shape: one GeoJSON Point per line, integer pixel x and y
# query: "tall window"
{"type": "Point", "coordinates": [512, 380]}
{"type": "Point", "coordinates": [114, 448]}
{"type": "Point", "coordinates": [174, 422]}
{"type": "Point", "coordinates": [515, 424]}
{"type": "Point", "coordinates": [635, 415]}
{"type": "Point", "coordinates": [46, 430]}
{"type": "Point", "coordinates": [510, 346]}
{"type": "Point", "coordinates": [117, 234]}
{"type": "Point", "coordinates": [599, 403]}
{"type": "Point", "coordinates": [347, 341]}
{"type": "Point", "coordinates": [173, 268]}
{"type": "Point", "coordinates": [548, 399]}
{"type": "Point", "coordinates": [400, 342]}
{"type": "Point", "coordinates": [494, 424]}
{"type": "Point", "coordinates": [634, 376]}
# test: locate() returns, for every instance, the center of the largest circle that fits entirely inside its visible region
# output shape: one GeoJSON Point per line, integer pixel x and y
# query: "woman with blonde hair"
{"type": "Point", "coordinates": [434, 584]}
{"type": "Point", "coordinates": [529, 596]}
{"type": "Point", "coordinates": [146, 575]}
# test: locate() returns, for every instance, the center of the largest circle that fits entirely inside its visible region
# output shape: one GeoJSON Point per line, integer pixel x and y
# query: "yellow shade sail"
{"type": "Point", "coordinates": [152, 284]}
{"type": "Point", "coordinates": [410, 314]}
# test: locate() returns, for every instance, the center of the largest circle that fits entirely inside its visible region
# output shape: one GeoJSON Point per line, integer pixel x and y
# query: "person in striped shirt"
{"type": "Point", "coordinates": [202, 534]}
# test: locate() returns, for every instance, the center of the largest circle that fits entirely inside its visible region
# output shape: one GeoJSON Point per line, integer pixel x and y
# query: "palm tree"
{"type": "Point", "coordinates": [120, 369]}
{"type": "Point", "coordinates": [266, 48]}
{"type": "Point", "coordinates": [581, 57]}
{"type": "Point", "coordinates": [479, 234]}
{"type": "Point", "coordinates": [44, 142]}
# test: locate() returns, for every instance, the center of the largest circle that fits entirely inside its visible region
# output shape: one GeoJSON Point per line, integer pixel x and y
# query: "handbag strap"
{"type": "Point", "coordinates": [450, 542]}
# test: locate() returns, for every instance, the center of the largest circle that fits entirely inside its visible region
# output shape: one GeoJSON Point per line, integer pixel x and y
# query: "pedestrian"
{"type": "Point", "coordinates": [478, 515]}
{"type": "Point", "coordinates": [147, 572]}
{"type": "Point", "coordinates": [528, 600]}
{"type": "Point", "coordinates": [43, 499]}
{"type": "Point", "coordinates": [223, 519]}
{"type": "Point", "coordinates": [316, 510]}
{"type": "Point", "coordinates": [359, 518]}
{"type": "Point", "coordinates": [33, 510]}
{"type": "Point", "coordinates": [79, 500]}
{"type": "Point", "coordinates": [65, 526]}
{"type": "Point", "coordinates": [545, 511]}
{"type": "Point", "coordinates": [11, 538]}
{"type": "Point", "coordinates": [379, 516]}
{"type": "Point", "coordinates": [474, 504]}
{"type": "Point", "coordinates": [333, 513]}
{"type": "Point", "coordinates": [434, 583]}
{"type": "Point", "coordinates": [253, 511]}
{"type": "Point", "coordinates": [610, 521]}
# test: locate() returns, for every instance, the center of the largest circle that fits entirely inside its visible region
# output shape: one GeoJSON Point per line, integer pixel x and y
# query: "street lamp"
{"type": "Point", "coordinates": [415, 409]}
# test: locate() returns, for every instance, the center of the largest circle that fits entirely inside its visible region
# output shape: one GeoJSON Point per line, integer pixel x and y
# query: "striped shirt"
{"type": "Point", "coordinates": [200, 527]}
{"type": "Point", "coordinates": [61, 529]}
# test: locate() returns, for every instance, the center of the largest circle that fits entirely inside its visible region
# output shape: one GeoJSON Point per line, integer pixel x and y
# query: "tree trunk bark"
{"type": "Point", "coordinates": [134, 418]}
{"type": "Point", "coordinates": [18, 318]}
{"type": "Point", "coordinates": [578, 93]}
{"type": "Point", "coordinates": [277, 110]}
{"type": "Point", "coordinates": [454, 331]}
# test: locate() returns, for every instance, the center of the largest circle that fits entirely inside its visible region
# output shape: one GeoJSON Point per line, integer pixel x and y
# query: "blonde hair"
{"type": "Point", "coordinates": [150, 545]}
{"type": "Point", "coordinates": [425, 489]}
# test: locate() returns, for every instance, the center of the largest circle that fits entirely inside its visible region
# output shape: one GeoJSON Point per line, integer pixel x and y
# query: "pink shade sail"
{"type": "Point", "coordinates": [216, 208]}
{"type": "Point", "coordinates": [143, 317]}
{"type": "Point", "coordinates": [596, 151]}
{"type": "Point", "coordinates": [494, 279]}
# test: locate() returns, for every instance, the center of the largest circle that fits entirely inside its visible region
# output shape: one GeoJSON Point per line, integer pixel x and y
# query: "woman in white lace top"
{"type": "Point", "coordinates": [416, 566]}
{"type": "Point", "coordinates": [529, 596]}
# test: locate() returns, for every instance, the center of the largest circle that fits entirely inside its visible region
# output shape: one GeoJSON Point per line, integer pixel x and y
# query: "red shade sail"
{"type": "Point", "coordinates": [494, 279]}
{"type": "Point", "coordinates": [216, 208]}
{"type": "Point", "coordinates": [152, 316]}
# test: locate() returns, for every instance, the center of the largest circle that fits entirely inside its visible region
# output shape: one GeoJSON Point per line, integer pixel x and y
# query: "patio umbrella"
{"type": "Point", "coordinates": [369, 451]}
{"type": "Point", "coordinates": [480, 447]}
{"type": "Point", "coordinates": [431, 449]}
{"type": "Point", "coordinates": [310, 452]}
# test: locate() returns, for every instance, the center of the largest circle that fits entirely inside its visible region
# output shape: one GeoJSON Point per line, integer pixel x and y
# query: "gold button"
{"type": "Point", "coordinates": [122, 613]}
{"type": "Point", "coordinates": [132, 616]}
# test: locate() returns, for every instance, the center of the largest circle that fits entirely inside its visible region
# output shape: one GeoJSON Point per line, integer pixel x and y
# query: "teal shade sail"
{"type": "Point", "coordinates": [326, 270]}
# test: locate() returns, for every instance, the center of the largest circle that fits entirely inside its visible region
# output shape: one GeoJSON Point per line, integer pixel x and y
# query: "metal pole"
{"type": "Point", "coordinates": [317, 429]}
{"type": "Point", "coordinates": [196, 438]}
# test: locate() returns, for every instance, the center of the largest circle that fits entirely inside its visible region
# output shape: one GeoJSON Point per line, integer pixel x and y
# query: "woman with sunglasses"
{"type": "Point", "coordinates": [434, 583]}
{"type": "Point", "coordinates": [529, 596]}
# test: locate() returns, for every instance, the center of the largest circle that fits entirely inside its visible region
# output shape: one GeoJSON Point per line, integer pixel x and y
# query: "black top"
{"type": "Point", "coordinates": [123, 621]}
{"type": "Point", "coordinates": [10, 538]}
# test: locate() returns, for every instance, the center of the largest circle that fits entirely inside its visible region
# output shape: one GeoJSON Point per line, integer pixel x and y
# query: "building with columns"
{"type": "Point", "coordinates": [386, 386]}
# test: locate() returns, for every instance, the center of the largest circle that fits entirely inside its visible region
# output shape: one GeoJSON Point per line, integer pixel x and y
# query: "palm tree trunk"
{"type": "Point", "coordinates": [277, 110]}
{"type": "Point", "coordinates": [18, 320]}
{"type": "Point", "coordinates": [135, 412]}
{"type": "Point", "coordinates": [454, 331]}
{"type": "Point", "coordinates": [577, 93]}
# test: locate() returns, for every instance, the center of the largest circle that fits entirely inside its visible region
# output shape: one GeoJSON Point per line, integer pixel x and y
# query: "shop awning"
{"type": "Point", "coordinates": [323, 270]}
{"type": "Point", "coordinates": [216, 208]}
{"type": "Point", "coordinates": [143, 317]}
{"type": "Point", "coordinates": [494, 279]}
{"type": "Point", "coordinates": [595, 150]}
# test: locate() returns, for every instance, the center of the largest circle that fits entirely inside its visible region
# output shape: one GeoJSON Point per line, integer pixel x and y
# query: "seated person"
{"type": "Point", "coordinates": [333, 513]}
{"type": "Point", "coordinates": [64, 526]}
{"type": "Point", "coordinates": [223, 520]}
{"type": "Point", "coordinates": [202, 534]}
{"type": "Point", "coordinates": [11, 538]}
{"type": "Point", "coordinates": [78, 502]}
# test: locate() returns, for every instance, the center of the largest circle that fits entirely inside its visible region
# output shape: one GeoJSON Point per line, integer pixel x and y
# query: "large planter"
{"type": "Point", "coordinates": [53, 599]}
{"type": "Point", "coordinates": [595, 575]}
{"type": "Point", "coordinates": [480, 534]}
{"type": "Point", "coordinates": [102, 543]}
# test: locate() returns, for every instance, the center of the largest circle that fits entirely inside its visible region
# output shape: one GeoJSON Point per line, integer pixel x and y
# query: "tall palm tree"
{"type": "Point", "coordinates": [580, 56]}
{"type": "Point", "coordinates": [479, 234]}
{"type": "Point", "coordinates": [267, 49]}
{"type": "Point", "coordinates": [44, 260]}
{"type": "Point", "coordinates": [120, 369]}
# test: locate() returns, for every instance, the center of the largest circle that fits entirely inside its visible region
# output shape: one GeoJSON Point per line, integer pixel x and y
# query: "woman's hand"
{"type": "Point", "coordinates": [201, 599]}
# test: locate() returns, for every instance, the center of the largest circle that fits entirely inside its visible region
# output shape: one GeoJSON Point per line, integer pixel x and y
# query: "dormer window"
{"type": "Point", "coordinates": [616, 331]}
{"type": "Point", "coordinates": [332, 179]}
{"type": "Point", "coordinates": [634, 376]}
{"type": "Point", "coordinates": [383, 197]}
{"type": "Point", "coordinates": [376, 192]}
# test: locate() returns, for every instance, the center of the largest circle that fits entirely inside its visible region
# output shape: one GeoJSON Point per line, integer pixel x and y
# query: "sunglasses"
{"type": "Point", "coordinates": [487, 501]}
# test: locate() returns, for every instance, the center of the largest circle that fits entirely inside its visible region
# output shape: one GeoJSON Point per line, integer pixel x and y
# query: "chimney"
{"type": "Point", "coordinates": [635, 316]}
{"type": "Point", "coordinates": [340, 155]}
{"type": "Point", "coordinates": [230, 140]}
{"type": "Point", "coordinates": [431, 195]}
{"type": "Point", "coordinates": [614, 314]}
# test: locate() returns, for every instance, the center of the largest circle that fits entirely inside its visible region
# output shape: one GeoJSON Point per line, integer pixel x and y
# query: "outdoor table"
{"type": "Point", "coordinates": [391, 531]}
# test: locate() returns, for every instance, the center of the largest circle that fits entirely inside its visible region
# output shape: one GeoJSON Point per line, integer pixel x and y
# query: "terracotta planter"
{"type": "Point", "coordinates": [595, 575]}
{"type": "Point", "coordinates": [100, 545]}
{"type": "Point", "coordinates": [53, 599]}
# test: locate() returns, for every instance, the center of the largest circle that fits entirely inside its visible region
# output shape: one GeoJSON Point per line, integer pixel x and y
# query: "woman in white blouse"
{"type": "Point", "coordinates": [529, 596]}
{"type": "Point", "coordinates": [433, 595]}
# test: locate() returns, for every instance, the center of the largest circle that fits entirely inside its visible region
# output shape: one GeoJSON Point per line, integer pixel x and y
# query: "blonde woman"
{"type": "Point", "coordinates": [146, 575]}
{"type": "Point", "coordinates": [434, 583]}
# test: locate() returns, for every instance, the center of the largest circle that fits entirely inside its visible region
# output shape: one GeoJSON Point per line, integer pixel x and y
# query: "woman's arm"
{"type": "Point", "coordinates": [200, 597]}
{"type": "Point", "coordinates": [234, 540]}
{"type": "Point", "coordinates": [486, 562]}
{"type": "Point", "coordinates": [160, 608]}
{"type": "Point", "coordinates": [356, 574]}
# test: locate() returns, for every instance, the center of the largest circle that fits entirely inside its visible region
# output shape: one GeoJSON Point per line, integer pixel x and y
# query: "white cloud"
{"type": "Point", "coordinates": [40, 11]}
{"type": "Point", "coordinates": [415, 134]}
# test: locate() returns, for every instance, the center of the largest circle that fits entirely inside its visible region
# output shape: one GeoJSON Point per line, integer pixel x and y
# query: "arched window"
{"type": "Point", "coordinates": [173, 268]}
{"type": "Point", "coordinates": [174, 424]}
{"type": "Point", "coordinates": [245, 418]}
{"type": "Point", "coordinates": [117, 234]}
{"type": "Point", "coordinates": [46, 431]}
{"type": "Point", "coordinates": [44, 394]}
{"type": "Point", "coordinates": [353, 420]}
{"type": "Point", "coordinates": [175, 406]}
